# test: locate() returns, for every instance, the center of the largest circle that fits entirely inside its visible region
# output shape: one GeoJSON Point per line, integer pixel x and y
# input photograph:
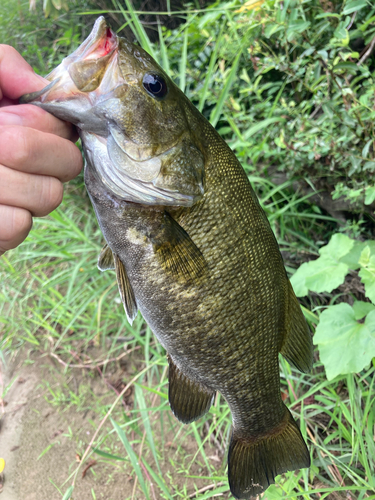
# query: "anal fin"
{"type": "Point", "coordinates": [253, 463]}
{"type": "Point", "coordinates": [105, 260]}
{"type": "Point", "coordinates": [125, 289]}
{"type": "Point", "coordinates": [189, 400]}
{"type": "Point", "coordinates": [297, 343]}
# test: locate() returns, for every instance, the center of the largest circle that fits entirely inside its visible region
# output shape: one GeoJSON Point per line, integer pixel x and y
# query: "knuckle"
{"type": "Point", "coordinates": [71, 162]}
{"type": "Point", "coordinates": [22, 222]}
{"type": "Point", "coordinates": [52, 195]}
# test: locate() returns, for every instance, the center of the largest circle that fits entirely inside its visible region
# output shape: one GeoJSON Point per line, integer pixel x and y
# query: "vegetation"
{"type": "Point", "coordinates": [290, 86]}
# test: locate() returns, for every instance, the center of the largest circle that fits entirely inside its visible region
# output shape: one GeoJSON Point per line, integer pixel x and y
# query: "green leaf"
{"type": "Point", "coordinates": [209, 75]}
{"type": "Point", "coordinates": [367, 273]}
{"type": "Point", "coordinates": [138, 29]}
{"type": "Point", "coordinates": [47, 7]}
{"type": "Point", "coordinates": [365, 150]}
{"type": "Point", "coordinates": [216, 112]}
{"type": "Point", "coordinates": [327, 272]}
{"type": "Point", "coordinates": [370, 195]}
{"type": "Point", "coordinates": [342, 35]}
{"type": "Point", "coordinates": [298, 280]}
{"type": "Point", "coordinates": [353, 6]}
{"type": "Point", "coordinates": [362, 308]}
{"type": "Point", "coordinates": [146, 423]}
{"type": "Point", "coordinates": [272, 29]}
{"type": "Point", "coordinates": [296, 27]}
{"type": "Point", "coordinates": [108, 455]}
{"type": "Point", "coordinates": [351, 259]}
{"type": "Point", "coordinates": [310, 316]}
{"type": "Point", "coordinates": [163, 52]}
{"type": "Point", "coordinates": [345, 346]}
{"type": "Point", "coordinates": [349, 67]}
{"type": "Point", "coordinates": [338, 246]}
{"type": "Point", "coordinates": [133, 457]}
{"type": "Point", "coordinates": [183, 62]}
{"type": "Point", "coordinates": [68, 493]}
{"type": "Point", "coordinates": [369, 165]}
{"type": "Point", "coordinates": [261, 125]}
{"type": "Point", "coordinates": [325, 275]}
{"type": "Point", "coordinates": [159, 480]}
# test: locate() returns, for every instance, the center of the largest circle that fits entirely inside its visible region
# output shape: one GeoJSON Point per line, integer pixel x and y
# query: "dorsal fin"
{"type": "Point", "coordinates": [297, 343]}
{"type": "Point", "coordinates": [105, 260]}
{"type": "Point", "coordinates": [189, 400]}
{"type": "Point", "coordinates": [177, 252]}
{"type": "Point", "coordinates": [125, 289]}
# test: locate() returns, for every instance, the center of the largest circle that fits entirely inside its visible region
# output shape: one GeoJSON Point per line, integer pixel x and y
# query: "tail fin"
{"type": "Point", "coordinates": [254, 464]}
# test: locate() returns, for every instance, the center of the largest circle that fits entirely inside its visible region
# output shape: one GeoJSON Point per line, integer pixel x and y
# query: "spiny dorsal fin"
{"type": "Point", "coordinates": [297, 344]}
{"type": "Point", "coordinates": [125, 289]}
{"type": "Point", "coordinates": [254, 462]}
{"type": "Point", "coordinates": [105, 260]}
{"type": "Point", "coordinates": [177, 252]}
{"type": "Point", "coordinates": [189, 400]}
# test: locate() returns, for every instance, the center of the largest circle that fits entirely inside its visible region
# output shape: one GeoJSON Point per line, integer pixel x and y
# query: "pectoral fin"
{"type": "Point", "coordinates": [177, 252]}
{"type": "Point", "coordinates": [126, 290]}
{"type": "Point", "coordinates": [297, 342]}
{"type": "Point", "coordinates": [105, 260]}
{"type": "Point", "coordinates": [189, 400]}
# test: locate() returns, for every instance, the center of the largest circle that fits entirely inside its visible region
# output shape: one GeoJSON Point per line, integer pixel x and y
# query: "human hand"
{"type": "Point", "coordinates": [37, 152]}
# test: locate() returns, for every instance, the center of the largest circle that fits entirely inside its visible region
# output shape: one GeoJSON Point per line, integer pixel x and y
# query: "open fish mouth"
{"type": "Point", "coordinates": [83, 71]}
{"type": "Point", "coordinates": [100, 89]}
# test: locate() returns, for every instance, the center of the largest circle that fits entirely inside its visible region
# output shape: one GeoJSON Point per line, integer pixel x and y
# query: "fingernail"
{"type": "Point", "coordinates": [7, 118]}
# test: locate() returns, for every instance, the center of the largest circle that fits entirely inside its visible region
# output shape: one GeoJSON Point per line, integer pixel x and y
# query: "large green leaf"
{"type": "Point", "coordinates": [298, 280]}
{"type": "Point", "coordinates": [328, 271]}
{"type": "Point", "coordinates": [345, 345]}
{"type": "Point", "coordinates": [367, 272]}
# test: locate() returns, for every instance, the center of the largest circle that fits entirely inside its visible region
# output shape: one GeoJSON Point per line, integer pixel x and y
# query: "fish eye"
{"type": "Point", "coordinates": [155, 85]}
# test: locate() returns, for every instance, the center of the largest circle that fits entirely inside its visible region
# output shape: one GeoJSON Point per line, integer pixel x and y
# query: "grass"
{"type": "Point", "coordinates": [54, 301]}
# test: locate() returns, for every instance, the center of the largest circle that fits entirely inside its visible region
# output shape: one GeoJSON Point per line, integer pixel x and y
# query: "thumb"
{"type": "Point", "coordinates": [16, 75]}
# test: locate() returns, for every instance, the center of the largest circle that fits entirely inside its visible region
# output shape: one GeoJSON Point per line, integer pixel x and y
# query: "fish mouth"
{"type": "Point", "coordinates": [93, 88]}
{"type": "Point", "coordinates": [80, 73]}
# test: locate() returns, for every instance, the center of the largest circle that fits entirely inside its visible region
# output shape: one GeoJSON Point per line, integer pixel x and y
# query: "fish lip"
{"type": "Point", "coordinates": [99, 32]}
{"type": "Point", "coordinates": [27, 98]}
{"type": "Point", "coordinates": [95, 35]}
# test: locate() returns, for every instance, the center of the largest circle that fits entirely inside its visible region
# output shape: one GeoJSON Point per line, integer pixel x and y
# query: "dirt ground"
{"type": "Point", "coordinates": [40, 441]}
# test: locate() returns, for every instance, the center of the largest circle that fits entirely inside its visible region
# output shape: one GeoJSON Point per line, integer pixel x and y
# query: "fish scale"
{"type": "Point", "coordinates": [191, 247]}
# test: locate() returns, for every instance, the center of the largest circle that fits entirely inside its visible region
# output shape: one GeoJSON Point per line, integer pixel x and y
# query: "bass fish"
{"type": "Point", "coordinates": [192, 249]}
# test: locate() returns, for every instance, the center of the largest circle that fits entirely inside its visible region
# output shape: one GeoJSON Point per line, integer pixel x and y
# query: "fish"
{"type": "Point", "coordinates": [191, 247]}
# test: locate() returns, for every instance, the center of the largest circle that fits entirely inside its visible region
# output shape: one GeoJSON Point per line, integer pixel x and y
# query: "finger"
{"type": "Point", "coordinates": [39, 194]}
{"type": "Point", "coordinates": [15, 226]}
{"type": "Point", "coordinates": [35, 152]}
{"type": "Point", "coordinates": [7, 102]}
{"type": "Point", "coordinates": [16, 75]}
{"type": "Point", "coordinates": [27, 115]}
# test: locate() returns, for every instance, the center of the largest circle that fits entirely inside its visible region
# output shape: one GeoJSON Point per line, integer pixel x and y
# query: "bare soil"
{"type": "Point", "coordinates": [42, 441]}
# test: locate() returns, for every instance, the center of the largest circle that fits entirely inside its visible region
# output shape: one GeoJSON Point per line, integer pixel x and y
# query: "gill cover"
{"type": "Point", "coordinates": [131, 117]}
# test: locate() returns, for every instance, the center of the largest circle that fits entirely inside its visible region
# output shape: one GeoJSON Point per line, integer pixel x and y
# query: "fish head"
{"type": "Point", "coordinates": [138, 130]}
